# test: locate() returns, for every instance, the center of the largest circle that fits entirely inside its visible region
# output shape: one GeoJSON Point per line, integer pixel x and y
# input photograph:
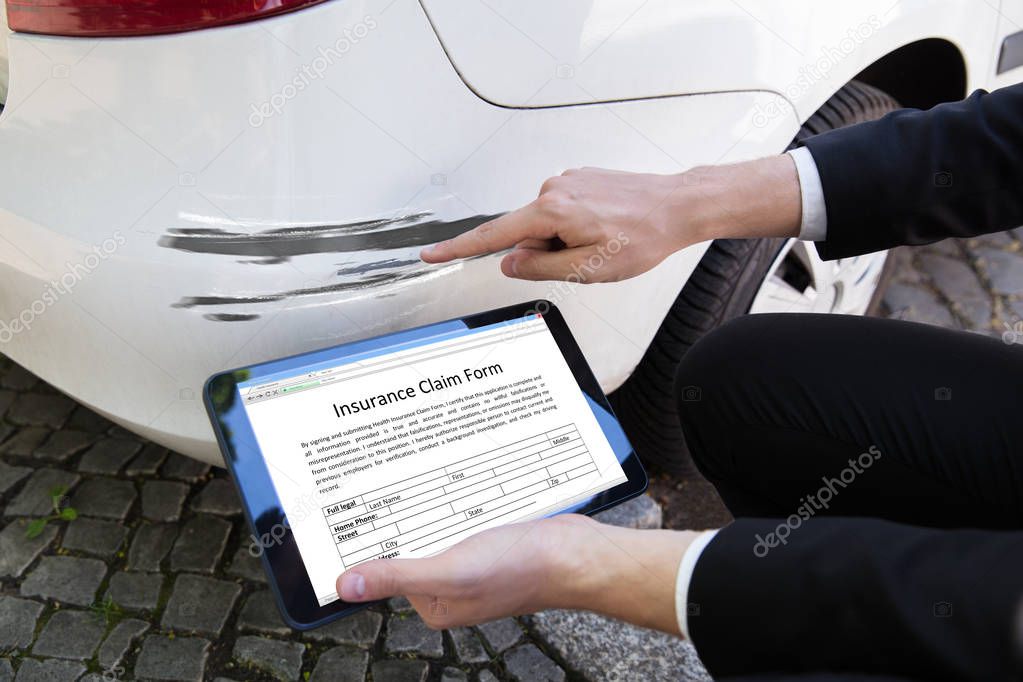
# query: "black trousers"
{"type": "Point", "coordinates": [898, 420]}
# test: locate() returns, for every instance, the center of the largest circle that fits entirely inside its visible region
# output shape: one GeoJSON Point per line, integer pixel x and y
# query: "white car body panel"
{"type": "Point", "coordinates": [510, 51]}
{"type": "Point", "coordinates": [141, 173]}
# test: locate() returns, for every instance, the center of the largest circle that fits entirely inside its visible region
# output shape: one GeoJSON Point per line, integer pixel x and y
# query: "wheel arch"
{"type": "Point", "coordinates": [920, 74]}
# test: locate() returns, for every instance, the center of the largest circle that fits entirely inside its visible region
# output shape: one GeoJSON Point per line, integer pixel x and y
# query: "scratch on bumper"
{"type": "Point", "coordinates": [278, 246]}
{"type": "Point", "coordinates": [371, 235]}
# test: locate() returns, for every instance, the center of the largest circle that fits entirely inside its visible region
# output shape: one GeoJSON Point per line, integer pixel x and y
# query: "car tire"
{"type": "Point", "coordinates": [723, 286]}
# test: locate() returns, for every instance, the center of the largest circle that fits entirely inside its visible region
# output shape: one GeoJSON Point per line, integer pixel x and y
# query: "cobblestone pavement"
{"type": "Point", "coordinates": [974, 284]}
{"type": "Point", "coordinates": [154, 578]}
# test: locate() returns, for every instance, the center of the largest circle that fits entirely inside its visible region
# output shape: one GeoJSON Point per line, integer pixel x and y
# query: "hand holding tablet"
{"type": "Point", "coordinates": [566, 561]}
{"type": "Point", "coordinates": [403, 445]}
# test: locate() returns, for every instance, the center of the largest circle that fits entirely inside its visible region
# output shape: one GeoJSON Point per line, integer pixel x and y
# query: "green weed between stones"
{"type": "Point", "coordinates": [60, 513]}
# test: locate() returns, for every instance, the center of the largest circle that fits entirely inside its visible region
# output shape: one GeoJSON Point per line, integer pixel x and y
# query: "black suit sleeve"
{"type": "Point", "coordinates": [859, 595]}
{"type": "Point", "coordinates": [915, 177]}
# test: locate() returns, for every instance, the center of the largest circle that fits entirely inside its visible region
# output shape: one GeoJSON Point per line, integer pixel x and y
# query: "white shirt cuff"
{"type": "Point", "coordinates": [685, 576]}
{"type": "Point", "coordinates": [814, 225]}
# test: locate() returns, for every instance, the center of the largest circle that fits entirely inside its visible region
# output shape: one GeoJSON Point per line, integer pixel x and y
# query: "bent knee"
{"type": "Point", "coordinates": [716, 355]}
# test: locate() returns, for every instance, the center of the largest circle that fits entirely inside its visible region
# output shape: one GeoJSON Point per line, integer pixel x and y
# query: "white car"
{"type": "Point", "coordinates": [190, 186]}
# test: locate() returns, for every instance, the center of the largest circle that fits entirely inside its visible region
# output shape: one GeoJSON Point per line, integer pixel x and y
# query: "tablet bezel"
{"type": "Point", "coordinates": [278, 552]}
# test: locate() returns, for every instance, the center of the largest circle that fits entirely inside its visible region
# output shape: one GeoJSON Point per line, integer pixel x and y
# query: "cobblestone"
{"type": "Point", "coordinates": [109, 455]}
{"type": "Point", "coordinates": [65, 444]}
{"type": "Point", "coordinates": [17, 551]}
{"type": "Point", "coordinates": [453, 675]}
{"type": "Point", "coordinates": [6, 398]}
{"type": "Point", "coordinates": [36, 409]}
{"type": "Point", "coordinates": [261, 615]}
{"type": "Point", "coordinates": [604, 648]}
{"type": "Point", "coordinates": [24, 442]}
{"type": "Point", "coordinates": [162, 500]}
{"type": "Point", "coordinates": [400, 671]}
{"type": "Point", "coordinates": [340, 665]}
{"type": "Point", "coordinates": [408, 634]}
{"type": "Point", "coordinates": [501, 634]}
{"type": "Point", "coordinates": [183, 468]}
{"type": "Point", "coordinates": [106, 498]}
{"type": "Point", "coordinates": [135, 590]}
{"type": "Point", "coordinates": [244, 565]}
{"type": "Point", "coordinates": [18, 619]}
{"type": "Point", "coordinates": [360, 629]}
{"type": "Point", "coordinates": [528, 664]}
{"type": "Point", "coordinates": [468, 646]}
{"type": "Point", "coordinates": [959, 284]}
{"type": "Point", "coordinates": [70, 634]}
{"type": "Point", "coordinates": [914, 303]}
{"type": "Point", "coordinates": [65, 579]}
{"type": "Point", "coordinates": [147, 462]}
{"type": "Point", "coordinates": [53, 670]}
{"type": "Point", "coordinates": [10, 476]}
{"type": "Point", "coordinates": [34, 498]}
{"type": "Point", "coordinates": [182, 659]}
{"type": "Point", "coordinates": [639, 512]}
{"type": "Point", "coordinates": [283, 660]}
{"type": "Point", "coordinates": [85, 419]}
{"type": "Point", "coordinates": [218, 497]}
{"type": "Point", "coordinates": [152, 543]}
{"type": "Point", "coordinates": [119, 641]}
{"type": "Point", "coordinates": [200, 544]}
{"type": "Point", "coordinates": [92, 536]}
{"type": "Point", "coordinates": [1003, 268]}
{"type": "Point", "coordinates": [18, 378]}
{"type": "Point", "coordinates": [199, 603]}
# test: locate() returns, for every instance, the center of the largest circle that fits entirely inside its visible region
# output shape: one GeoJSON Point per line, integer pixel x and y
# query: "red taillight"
{"type": "Point", "coordinates": [137, 17]}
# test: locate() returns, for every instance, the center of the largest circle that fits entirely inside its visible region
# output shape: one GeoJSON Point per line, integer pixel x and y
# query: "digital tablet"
{"type": "Point", "coordinates": [404, 444]}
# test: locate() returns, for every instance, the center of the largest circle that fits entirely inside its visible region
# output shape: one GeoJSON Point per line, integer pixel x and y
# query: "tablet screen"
{"type": "Point", "coordinates": [405, 448]}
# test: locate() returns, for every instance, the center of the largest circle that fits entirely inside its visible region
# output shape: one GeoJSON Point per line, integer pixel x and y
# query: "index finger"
{"type": "Point", "coordinates": [492, 236]}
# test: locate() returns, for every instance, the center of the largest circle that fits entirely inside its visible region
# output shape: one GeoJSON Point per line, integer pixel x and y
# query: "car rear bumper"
{"type": "Point", "coordinates": [178, 205]}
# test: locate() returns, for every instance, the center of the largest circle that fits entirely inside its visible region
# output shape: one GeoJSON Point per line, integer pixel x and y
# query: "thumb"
{"type": "Point", "coordinates": [385, 578]}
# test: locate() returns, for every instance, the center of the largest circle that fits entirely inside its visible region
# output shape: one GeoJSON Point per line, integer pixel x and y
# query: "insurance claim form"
{"type": "Point", "coordinates": [404, 453]}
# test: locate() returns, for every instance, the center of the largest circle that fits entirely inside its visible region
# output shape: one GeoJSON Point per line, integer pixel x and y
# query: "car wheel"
{"type": "Point", "coordinates": [740, 276]}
